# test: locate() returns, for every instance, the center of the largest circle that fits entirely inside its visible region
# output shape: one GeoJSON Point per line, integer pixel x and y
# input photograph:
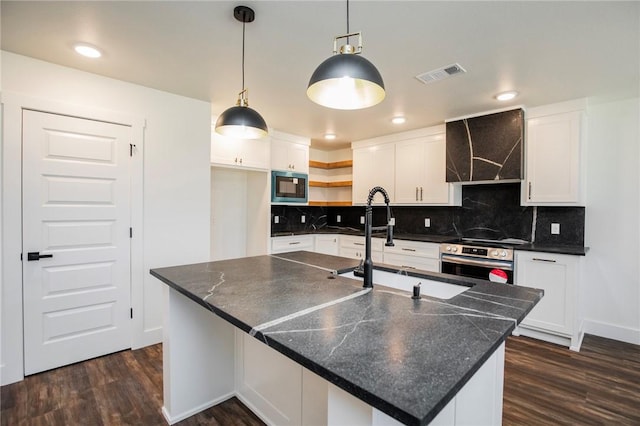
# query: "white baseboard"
{"type": "Point", "coordinates": [612, 331]}
{"type": "Point", "coordinates": [175, 419]}
{"type": "Point", "coordinates": [147, 338]}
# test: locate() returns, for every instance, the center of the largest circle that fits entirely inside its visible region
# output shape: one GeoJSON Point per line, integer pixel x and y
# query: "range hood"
{"type": "Point", "coordinates": [486, 148]}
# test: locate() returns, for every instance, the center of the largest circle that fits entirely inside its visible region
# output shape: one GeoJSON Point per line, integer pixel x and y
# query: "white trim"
{"type": "Point", "coordinates": [402, 136]}
{"type": "Point", "coordinates": [612, 331]}
{"type": "Point", "coordinates": [492, 111]}
{"type": "Point", "coordinates": [175, 419]}
{"type": "Point", "coordinates": [12, 357]}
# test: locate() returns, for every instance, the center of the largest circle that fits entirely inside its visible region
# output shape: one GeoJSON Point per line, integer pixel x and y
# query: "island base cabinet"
{"type": "Point", "coordinates": [197, 358]}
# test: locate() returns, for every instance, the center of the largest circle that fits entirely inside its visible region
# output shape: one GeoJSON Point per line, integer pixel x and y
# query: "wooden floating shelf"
{"type": "Point", "coordinates": [330, 203]}
{"type": "Point", "coordinates": [335, 165]}
{"type": "Point", "coordinates": [340, 184]}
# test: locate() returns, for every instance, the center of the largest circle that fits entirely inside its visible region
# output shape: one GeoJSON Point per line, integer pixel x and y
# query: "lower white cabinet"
{"type": "Point", "coordinates": [354, 247]}
{"type": "Point", "coordinates": [413, 254]}
{"type": "Point", "coordinates": [327, 244]}
{"type": "Point", "coordinates": [276, 388]}
{"type": "Point", "coordinates": [556, 317]}
{"type": "Point", "coordinates": [291, 243]}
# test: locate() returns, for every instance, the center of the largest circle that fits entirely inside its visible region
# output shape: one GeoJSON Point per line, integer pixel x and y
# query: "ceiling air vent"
{"type": "Point", "coordinates": [441, 73]}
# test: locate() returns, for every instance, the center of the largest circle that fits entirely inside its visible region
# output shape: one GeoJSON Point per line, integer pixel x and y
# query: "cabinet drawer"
{"type": "Point", "coordinates": [415, 248]}
{"type": "Point", "coordinates": [404, 261]}
{"type": "Point", "coordinates": [349, 241]}
{"type": "Point", "coordinates": [294, 243]}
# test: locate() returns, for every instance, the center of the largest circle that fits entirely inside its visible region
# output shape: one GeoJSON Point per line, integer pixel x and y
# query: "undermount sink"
{"type": "Point", "coordinates": [400, 281]}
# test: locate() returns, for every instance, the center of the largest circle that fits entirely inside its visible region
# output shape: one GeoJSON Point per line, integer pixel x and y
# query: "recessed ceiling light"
{"type": "Point", "coordinates": [506, 96]}
{"type": "Point", "coordinates": [87, 50]}
{"type": "Point", "coordinates": [398, 120]}
{"type": "Point", "coordinates": [329, 136]}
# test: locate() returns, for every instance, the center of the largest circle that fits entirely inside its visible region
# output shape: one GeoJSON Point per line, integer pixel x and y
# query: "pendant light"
{"type": "Point", "coordinates": [346, 80]}
{"type": "Point", "coordinates": [240, 121]}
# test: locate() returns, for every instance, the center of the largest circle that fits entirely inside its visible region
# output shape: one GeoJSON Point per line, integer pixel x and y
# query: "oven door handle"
{"type": "Point", "coordinates": [467, 261]}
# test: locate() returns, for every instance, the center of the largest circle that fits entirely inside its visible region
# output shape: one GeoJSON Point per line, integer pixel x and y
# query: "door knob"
{"type": "Point", "coordinates": [35, 255]}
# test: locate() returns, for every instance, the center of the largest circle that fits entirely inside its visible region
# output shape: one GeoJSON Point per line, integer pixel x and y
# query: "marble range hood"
{"type": "Point", "coordinates": [486, 148]}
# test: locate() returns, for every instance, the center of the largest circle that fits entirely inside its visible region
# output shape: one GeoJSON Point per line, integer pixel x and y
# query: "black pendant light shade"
{"type": "Point", "coordinates": [346, 81]}
{"type": "Point", "coordinates": [240, 121]}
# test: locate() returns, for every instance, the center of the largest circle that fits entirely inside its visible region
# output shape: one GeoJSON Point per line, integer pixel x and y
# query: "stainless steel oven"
{"type": "Point", "coordinates": [485, 262]}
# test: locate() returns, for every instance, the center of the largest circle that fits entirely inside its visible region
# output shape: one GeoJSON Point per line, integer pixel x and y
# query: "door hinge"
{"type": "Point", "coordinates": [131, 147]}
{"type": "Point", "coordinates": [131, 312]}
{"type": "Point", "coordinates": [130, 232]}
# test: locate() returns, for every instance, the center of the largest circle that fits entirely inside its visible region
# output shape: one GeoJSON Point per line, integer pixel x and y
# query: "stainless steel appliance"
{"type": "Point", "coordinates": [289, 187]}
{"type": "Point", "coordinates": [477, 259]}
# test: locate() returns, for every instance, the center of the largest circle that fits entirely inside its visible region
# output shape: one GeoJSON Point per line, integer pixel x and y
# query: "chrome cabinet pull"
{"type": "Point", "coordinates": [416, 193]}
{"type": "Point", "coordinates": [529, 190]}
{"type": "Point", "coordinates": [408, 249]}
{"type": "Point", "coordinates": [420, 193]}
{"type": "Point", "coordinates": [537, 259]}
{"type": "Point", "coordinates": [294, 242]}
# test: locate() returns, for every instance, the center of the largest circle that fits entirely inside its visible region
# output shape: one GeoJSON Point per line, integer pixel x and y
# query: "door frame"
{"type": "Point", "coordinates": [12, 345]}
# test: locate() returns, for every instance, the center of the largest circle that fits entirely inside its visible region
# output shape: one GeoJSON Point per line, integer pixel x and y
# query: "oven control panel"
{"type": "Point", "coordinates": [499, 253]}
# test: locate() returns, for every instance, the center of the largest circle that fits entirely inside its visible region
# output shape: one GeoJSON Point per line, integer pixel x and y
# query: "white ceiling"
{"type": "Point", "coordinates": [548, 51]}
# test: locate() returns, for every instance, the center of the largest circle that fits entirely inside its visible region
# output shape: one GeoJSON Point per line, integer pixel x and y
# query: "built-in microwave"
{"type": "Point", "coordinates": [289, 187]}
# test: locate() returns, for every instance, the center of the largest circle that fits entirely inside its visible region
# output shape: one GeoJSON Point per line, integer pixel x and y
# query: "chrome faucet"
{"type": "Point", "coordinates": [368, 228]}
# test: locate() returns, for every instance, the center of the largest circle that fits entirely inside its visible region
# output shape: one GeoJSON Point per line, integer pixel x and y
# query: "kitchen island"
{"type": "Point", "coordinates": [366, 356]}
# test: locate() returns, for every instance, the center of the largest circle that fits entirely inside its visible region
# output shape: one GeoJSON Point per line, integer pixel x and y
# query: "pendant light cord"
{"type": "Point", "coordinates": [347, 21]}
{"type": "Point", "coordinates": [243, 26]}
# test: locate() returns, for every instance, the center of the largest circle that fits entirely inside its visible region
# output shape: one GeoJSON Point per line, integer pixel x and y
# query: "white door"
{"type": "Point", "coordinates": [76, 216]}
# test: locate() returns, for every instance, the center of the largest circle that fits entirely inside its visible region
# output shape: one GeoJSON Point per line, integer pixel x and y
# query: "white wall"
{"type": "Point", "coordinates": [611, 281]}
{"type": "Point", "coordinates": [175, 179]}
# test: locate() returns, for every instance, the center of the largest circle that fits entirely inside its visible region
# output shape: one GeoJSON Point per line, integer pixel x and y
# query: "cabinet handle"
{"type": "Point", "coordinates": [416, 193]}
{"type": "Point", "coordinates": [358, 244]}
{"type": "Point", "coordinates": [408, 249]}
{"type": "Point", "coordinates": [537, 259]}
{"type": "Point", "coordinates": [420, 193]}
{"type": "Point", "coordinates": [236, 160]}
{"type": "Point", "coordinates": [407, 267]}
{"type": "Point", "coordinates": [529, 190]}
{"type": "Point", "coordinates": [294, 242]}
{"type": "Point", "coordinates": [241, 161]}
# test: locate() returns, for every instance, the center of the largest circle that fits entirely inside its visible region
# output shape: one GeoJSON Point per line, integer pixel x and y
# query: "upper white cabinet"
{"type": "Point", "coordinates": [411, 166]}
{"type": "Point", "coordinates": [555, 317]}
{"type": "Point", "coordinates": [289, 152]}
{"type": "Point", "coordinates": [555, 155]}
{"type": "Point", "coordinates": [373, 166]}
{"type": "Point", "coordinates": [245, 153]}
{"type": "Point", "coordinates": [421, 172]}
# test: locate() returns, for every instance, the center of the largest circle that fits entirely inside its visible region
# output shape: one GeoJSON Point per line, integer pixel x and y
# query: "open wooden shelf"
{"type": "Point", "coordinates": [335, 165]}
{"type": "Point", "coordinates": [330, 203]}
{"type": "Point", "coordinates": [339, 184]}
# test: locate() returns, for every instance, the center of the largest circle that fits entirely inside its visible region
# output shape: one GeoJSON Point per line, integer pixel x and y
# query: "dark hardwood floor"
{"type": "Point", "coordinates": [545, 384]}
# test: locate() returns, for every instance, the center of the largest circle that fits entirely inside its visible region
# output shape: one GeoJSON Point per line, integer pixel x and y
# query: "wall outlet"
{"type": "Point", "coordinates": [361, 220]}
{"type": "Point", "coordinates": [276, 219]}
{"type": "Point", "coordinates": [338, 218]}
{"type": "Point", "coordinates": [392, 221]}
{"type": "Point", "coordinates": [555, 228]}
{"type": "Point", "coordinates": [427, 222]}
{"type": "Point", "coordinates": [303, 219]}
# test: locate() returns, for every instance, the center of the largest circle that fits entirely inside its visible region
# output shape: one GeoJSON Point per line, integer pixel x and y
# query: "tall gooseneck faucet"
{"type": "Point", "coordinates": [368, 221]}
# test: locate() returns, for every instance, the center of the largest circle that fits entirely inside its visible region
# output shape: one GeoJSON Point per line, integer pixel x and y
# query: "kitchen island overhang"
{"type": "Point", "coordinates": [407, 358]}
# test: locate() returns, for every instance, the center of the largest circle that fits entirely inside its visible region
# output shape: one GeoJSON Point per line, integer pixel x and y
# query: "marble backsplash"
{"type": "Point", "coordinates": [491, 211]}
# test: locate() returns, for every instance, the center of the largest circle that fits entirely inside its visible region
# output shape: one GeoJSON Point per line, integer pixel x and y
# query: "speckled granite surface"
{"type": "Point", "coordinates": [406, 357]}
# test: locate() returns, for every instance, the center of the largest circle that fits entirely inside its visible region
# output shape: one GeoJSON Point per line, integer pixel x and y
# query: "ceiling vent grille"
{"type": "Point", "coordinates": [441, 73]}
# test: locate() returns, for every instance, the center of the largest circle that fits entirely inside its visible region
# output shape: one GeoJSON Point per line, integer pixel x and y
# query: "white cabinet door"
{"type": "Point", "coordinates": [288, 156]}
{"type": "Point", "coordinates": [327, 244]}
{"type": "Point", "coordinates": [247, 153]}
{"type": "Point", "coordinates": [557, 275]}
{"type": "Point", "coordinates": [373, 166]}
{"type": "Point", "coordinates": [421, 171]}
{"type": "Point", "coordinates": [553, 160]}
{"type": "Point", "coordinates": [414, 254]}
{"type": "Point", "coordinates": [292, 243]}
{"type": "Point", "coordinates": [354, 247]}
{"type": "Point", "coordinates": [409, 171]}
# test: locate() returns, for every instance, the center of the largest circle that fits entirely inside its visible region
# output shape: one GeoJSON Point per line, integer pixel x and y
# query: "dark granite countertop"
{"type": "Point", "coordinates": [432, 238]}
{"type": "Point", "coordinates": [408, 358]}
